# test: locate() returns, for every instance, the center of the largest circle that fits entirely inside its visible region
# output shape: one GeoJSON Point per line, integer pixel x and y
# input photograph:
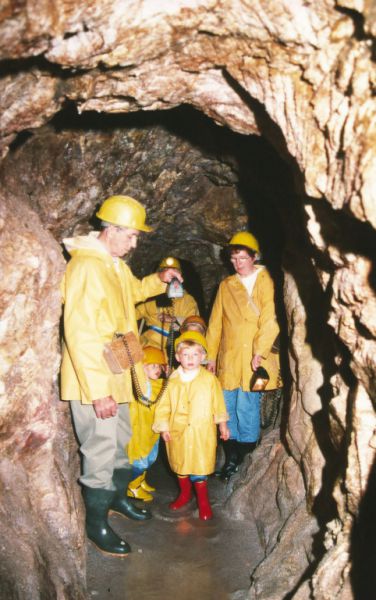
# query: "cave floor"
{"type": "Point", "coordinates": [177, 555]}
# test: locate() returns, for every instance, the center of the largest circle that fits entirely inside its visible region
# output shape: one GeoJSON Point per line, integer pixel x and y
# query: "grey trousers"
{"type": "Point", "coordinates": [102, 443]}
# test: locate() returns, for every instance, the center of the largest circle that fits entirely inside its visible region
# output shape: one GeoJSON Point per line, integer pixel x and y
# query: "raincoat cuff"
{"type": "Point", "coordinates": [263, 353]}
{"type": "Point", "coordinates": [222, 418]}
{"type": "Point", "coordinates": [161, 427]}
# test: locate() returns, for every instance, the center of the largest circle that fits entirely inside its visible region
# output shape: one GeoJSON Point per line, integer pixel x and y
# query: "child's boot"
{"type": "Point", "coordinates": [185, 495]}
{"type": "Point", "coordinates": [204, 509]}
{"type": "Point", "coordinates": [145, 485]}
{"type": "Point", "coordinates": [135, 490]}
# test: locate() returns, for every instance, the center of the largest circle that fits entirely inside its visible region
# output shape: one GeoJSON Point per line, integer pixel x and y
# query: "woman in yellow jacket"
{"type": "Point", "coordinates": [241, 332]}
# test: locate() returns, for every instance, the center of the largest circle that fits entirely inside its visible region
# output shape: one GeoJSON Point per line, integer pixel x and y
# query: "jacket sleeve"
{"type": "Point", "coordinates": [142, 289]}
{"type": "Point", "coordinates": [187, 308]}
{"type": "Point", "coordinates": [219, 406]}
{"type": "Point", "coordinates": [84, 297]}
{"type": "Point", "coordinates": [214, 333]}
{"type": "Point", "coordinates": [162, 414]}
{"type": "Point", "coordinates": [142, 310]}
{"type": "Point", "coordinates": [268, 328]}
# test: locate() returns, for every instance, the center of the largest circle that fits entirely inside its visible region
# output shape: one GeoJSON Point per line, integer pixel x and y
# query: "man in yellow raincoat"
{"type": "Point", "coordinates": [162, 313]}
{"type": "Point", "coordinates": [241, 332]}
{"type": "Point", "coordinates": [99, 293]}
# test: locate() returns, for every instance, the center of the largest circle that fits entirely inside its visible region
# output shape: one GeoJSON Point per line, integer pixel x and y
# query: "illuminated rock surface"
{"type": "Point", "coordinates": [298, 78]}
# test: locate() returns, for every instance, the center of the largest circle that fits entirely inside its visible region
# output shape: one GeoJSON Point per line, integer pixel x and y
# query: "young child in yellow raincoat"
{"type": "Point", "coordinates": [143, 445]}
{"type": "Point", "coordinates": [186, 417]}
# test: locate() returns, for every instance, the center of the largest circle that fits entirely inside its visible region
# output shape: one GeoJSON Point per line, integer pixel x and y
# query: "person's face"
{"type": "Point", "coordinates": [242, 262]}
{"type": "Point", "coordinates": [190, 357]}
{"type": "Point", "coordinates": [121, 240]}
{"type": "Point", "coordinates": [153, 370]}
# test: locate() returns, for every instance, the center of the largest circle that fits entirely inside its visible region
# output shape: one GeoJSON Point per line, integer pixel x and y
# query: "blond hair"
{"type": "Point", "coordinates": [189, 344]}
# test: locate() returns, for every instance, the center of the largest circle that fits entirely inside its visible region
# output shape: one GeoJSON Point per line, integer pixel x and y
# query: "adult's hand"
{"type": "Point", "coordinates": [224, 432]}
{"type": "Point", "coordinates": [166, 436]}
{"type": "Point", "coordinates": [167, 274]}
{"type": "Point", "coordinates": [166, 318]}
{"type": "Point", "coordinates": [105, 407]}
{"type": "Point", "coordinates": [211, 366]}
{"type": "Point", "coordinates": [256, 362]}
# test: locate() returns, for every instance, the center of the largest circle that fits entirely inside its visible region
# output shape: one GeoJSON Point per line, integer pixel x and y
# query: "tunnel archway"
{"type": "Point", "coordinates": [313, 107]}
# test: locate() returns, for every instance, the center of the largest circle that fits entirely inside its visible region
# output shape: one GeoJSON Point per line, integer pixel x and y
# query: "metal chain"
{"type": "Point", "coordinates": [139, 396]}
{"type": "Point", "coordinates": [170, 337]}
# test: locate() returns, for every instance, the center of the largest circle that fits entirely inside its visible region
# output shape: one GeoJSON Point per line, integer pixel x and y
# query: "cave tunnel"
{"type": "Point", "coordinates": [224, 125]}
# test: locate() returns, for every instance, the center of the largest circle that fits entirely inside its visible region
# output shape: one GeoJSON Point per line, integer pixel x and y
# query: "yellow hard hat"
{"type": "Point", "coordinates": [125, 212]}
{"type": "Point", "coordinates": [168, 262]}
{"type": "Point", "coordinates": [192, 320]}
{"type": "Point", "coordinates": [244, 238]}
{"type": "Point", "coordinates": [153, 356]}
{"type": "Point", "coordinates": [191, 336]}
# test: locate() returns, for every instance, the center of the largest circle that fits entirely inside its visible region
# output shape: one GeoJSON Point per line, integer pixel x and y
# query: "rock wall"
{"type": "Point", "coordinates": [43, 546]}
{"type": "Point", "coordinates": [301, 75]}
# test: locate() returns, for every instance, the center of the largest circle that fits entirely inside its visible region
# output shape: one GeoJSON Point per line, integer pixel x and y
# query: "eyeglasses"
{"type": "Point", "coordinates": [240, 258]}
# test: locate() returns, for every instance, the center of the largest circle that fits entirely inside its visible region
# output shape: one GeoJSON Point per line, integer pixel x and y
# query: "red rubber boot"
{"type": "Point", "coordinates": [185, 495]}
{"type": "Point", "coordinates": [204, 509]}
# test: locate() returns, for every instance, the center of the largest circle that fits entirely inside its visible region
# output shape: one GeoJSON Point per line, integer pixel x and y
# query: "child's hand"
{"type": "Point", "coordinates": [224, 432]}
{"type": "Point", "coordinates": [211, 366]}
{"type": "Point", "coordinates": [166, 436]}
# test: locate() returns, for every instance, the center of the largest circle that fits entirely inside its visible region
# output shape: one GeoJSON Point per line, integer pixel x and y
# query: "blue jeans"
{"type": "Point", "coordinates": [244, 412]}
{"type": "Point", "coordinates": [141, 464]}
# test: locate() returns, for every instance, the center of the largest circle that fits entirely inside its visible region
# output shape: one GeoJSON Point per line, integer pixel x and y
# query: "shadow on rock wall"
{"type": "Point", "coordinates": [363, 544]}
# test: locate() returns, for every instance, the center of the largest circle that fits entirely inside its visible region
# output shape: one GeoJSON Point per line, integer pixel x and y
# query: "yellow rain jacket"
{"type": "Point", "coordinates": [190, 412]}
{"type": "Point", "coordinates": [182, 308]}
{"type": "Point", "coordinates": [241, 327]}
{"type": "Point", "coordinates": [142, 417]}
{"type": "Point", "coordinates": [99, 295]}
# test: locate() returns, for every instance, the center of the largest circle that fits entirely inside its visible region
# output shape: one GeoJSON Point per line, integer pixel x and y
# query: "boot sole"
{"type": "Point", "coordinates": [140, 499]}
{"type": "Point", "coordinates": [106, 553]}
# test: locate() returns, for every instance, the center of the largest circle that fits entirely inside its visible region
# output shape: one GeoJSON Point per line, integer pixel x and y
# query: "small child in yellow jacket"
{"type": "Point", "coordinates": [186, 417]}
{"type": "Point", "coordinates": [144, 443]}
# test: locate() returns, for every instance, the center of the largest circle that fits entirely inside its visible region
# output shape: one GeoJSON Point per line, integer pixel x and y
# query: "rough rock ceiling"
{"type": "Point", "coordinates": [307, 64]}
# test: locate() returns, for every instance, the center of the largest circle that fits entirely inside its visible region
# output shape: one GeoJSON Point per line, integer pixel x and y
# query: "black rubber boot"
{"type": "Point", "coordinates": [245, 448]}
{"type": "Point", "coordinates": [231, 459]}
{"type": "Point", "coordinates": [97, 503]}
{"type": "Point", "coordinates": [120, 503]}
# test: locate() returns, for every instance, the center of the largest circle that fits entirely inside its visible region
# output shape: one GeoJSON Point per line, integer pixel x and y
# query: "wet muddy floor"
{"type": "Point", "coordinates": [175, 555]}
